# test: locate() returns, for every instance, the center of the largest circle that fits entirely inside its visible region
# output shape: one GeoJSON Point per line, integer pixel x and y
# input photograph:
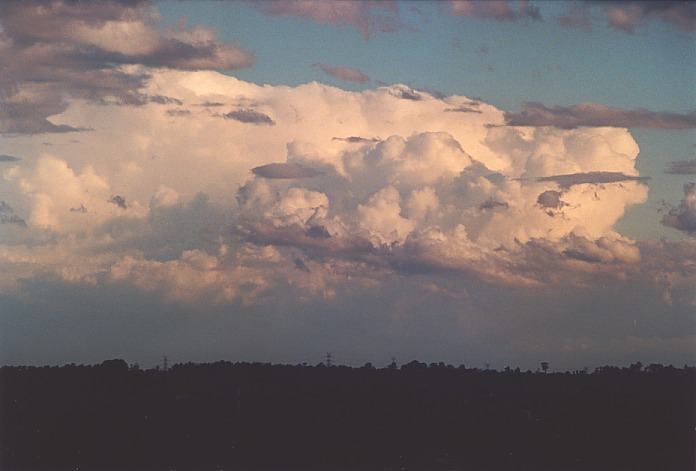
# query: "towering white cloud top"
{"type": "Point", "coordinates": [230, 188]}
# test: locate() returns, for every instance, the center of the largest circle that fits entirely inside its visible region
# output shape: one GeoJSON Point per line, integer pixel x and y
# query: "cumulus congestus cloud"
{"type": "Point", "coordinates": [438, 192]}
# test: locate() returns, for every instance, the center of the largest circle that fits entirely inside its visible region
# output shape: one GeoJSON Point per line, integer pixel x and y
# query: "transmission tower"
{"type": "Point", "coordinates": [165, 363]}
{"type": "Point", "coordinates": [328, 359]}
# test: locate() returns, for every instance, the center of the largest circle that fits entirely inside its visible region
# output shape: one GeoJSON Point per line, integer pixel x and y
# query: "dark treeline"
{"type": "Point", "coordinates": [242, 416]}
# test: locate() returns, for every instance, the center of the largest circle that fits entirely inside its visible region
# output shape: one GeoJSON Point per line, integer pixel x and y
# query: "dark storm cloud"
{"type": "Point", "coordinates": [285, 170]}
{"type": "Point", "coordinates": [249, 116]}
{"type": "Point", "coordinates": [8, 216]}
{"type": "Point", "coordinates": [593, 178]}
{"type": "Point", "coordinates": [598, 115]}
{"type": "Point", "coordinates": [51, 51]}
{"type": "Point", "coordinates": [9, 158]}
{"type": "Point", "coordinates": [344, 73]}
{"type": "Point", "coordinates": [683, 216]}
{"type": "Point", "coordinates": [682, 167]}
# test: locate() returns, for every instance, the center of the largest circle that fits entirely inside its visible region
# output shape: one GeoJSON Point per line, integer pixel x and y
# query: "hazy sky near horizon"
{"type": "Point", "coordinates": [471, 182]}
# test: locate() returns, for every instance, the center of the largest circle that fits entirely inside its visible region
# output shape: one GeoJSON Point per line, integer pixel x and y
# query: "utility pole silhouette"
{"type": "Point", "coordinates": [165, 363]}
{"type": "Point", "coordinates": [328, 359]}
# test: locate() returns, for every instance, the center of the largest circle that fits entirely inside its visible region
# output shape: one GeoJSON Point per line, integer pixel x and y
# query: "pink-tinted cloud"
{"type": "Point", "coordinates": [365, 16]}
{"type": "Point", "coordinates": [625, 16]}
{"type": "Point", "coordinates": [51, 50]}
{"type": "Point", "coordinates": [500, 10]}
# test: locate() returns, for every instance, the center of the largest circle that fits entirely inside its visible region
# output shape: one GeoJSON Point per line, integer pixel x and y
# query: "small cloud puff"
{"type": "Point", "coordinates": [247, 115]}
{"type": "Point", "coordinates": [344, 73]}
{"type": "Point", "coordinates": [683, 216]}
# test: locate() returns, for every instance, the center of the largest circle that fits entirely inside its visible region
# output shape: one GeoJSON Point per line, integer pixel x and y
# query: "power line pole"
{"type": "Point", "coordinates": [165, 363]}
{"type": "Point", "coordinates": [328, 359]}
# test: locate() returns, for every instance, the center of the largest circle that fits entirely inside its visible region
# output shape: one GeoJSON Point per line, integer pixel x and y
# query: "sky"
{"type": "Point", "coordinates": [482, 183]}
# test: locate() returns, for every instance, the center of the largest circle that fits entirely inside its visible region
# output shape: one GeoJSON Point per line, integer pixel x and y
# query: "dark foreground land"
{"type": "Point", "coordinates": [417, 417]}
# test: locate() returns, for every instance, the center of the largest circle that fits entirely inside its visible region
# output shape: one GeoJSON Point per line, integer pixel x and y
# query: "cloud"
{"type": "Point", "coordinates": [344, 73]}
{"type": "Point", "coordinates": [463, 109]}
{"type": "Point", "coordinates": [493, 204]}
{"type": "Point", "coordinates": [119, 201]}
{"type": "Point", "coordinates": [9, 158]}
{"type": "Point", "coordinates": [247, 115]}
{"type": "Point", "coordinates": [300, 265]}
{"type": "Point", "coordinates": [364, 16]}
{"type": "Point", "coordinates": [382, 222]}
{"type": "Point", "coordinates": [499, 10]}
{"type": "Point", "coordinates": [627, 15]}
{"type": "Point", "coordinates": [50, 187]}
{"type": "Point", "coordinates": [426, 199]}
{"type": "Point", "coordinates": [8, 216]}
{"type": "Point", "coordinates": [178, 112]}
{"type": "Point", "coordinates": [577, 15]}
{"type": "Point", "coordinates": [407, 94]}
{"type": "Point", "coordinates": [682, 167]}
{"type": "Point", "coordinates": [683, 216]}
{"type": "Point", "coordinates": [356, 139]}
{"type": "Point", "coordinates": [598, 115]}
{"type": "Point", "coordinates": [52, 51]}
{"type": "Point", "coordinates": [164, 100]}
{"type": "Point", "coordinates": [211, 104]}
{"type": "Point", "coordinates": [550, 199]}
{"type": "Point", "coordinates": [285, 170]}
{"type": "Point", "coordinates": [592, 178]}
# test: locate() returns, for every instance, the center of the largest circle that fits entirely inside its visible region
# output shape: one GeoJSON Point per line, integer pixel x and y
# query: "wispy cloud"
{"type": "Point", "coordinates": [626, 15]}
{"type": "Point", "coordinates": [499, 10]}
{"type": "Point", "coordinates": [592, 178]}
{"type": "Point", "coordinates": [598, 115]}
{"type": "Point", "coordinates": [682, 167]}
{"type": "Point", "coordinates": [365, 16]}
{"type": "Point", "coordinates": [344, 73]}
{"type": "Point", "coordinates": [249, 116]}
